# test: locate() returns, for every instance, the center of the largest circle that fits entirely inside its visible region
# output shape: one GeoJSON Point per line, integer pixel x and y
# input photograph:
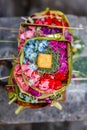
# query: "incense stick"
{"type": "Point", "coordinates": [74, 28]}
{"type": "Point", "coordinates": [9, 29]}
{"type": "Point", "coordinates": [1, 59]}
{"type": "Point", "coordinates": [74, 79]}
{"type": "Point", "coordinates": [78, 79]}
{"type": "Point", "coordinates": [5, 77]}
{"type": "Point", "coordinates": [7, 41]}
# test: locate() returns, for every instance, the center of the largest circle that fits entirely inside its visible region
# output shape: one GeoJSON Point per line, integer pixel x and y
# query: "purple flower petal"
{"type": "Point", "coordinates": [68, 36]}
{"type": "Point", "coordinates": [62, 45]}
{"type": "Point", "coordinates": [48, 100]}
{"type": "Point", "coordinates": [34, 92]}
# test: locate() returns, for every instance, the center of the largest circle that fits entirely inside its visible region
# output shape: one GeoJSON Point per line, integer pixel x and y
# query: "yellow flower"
{"type": "Point", "coordinates": [74, 50]}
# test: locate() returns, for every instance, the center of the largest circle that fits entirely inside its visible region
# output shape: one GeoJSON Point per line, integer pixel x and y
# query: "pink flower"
{"type": "Point", "coordinates": [21, 31]}
{"type": "Point", "coordinates": [21, 83]}
{"type": "Point", "coordinates": [63, 53]}
{"type": "Point", "coordinates": [39, 21]}
{"type": "Point", "coordinates": [19, 72]}
{"type": "Point", "coordinates": [25, 87]}
{"type": "Point", "coordinates": [50, 90]}
{"type": "Point", "coordinates": [68, 36]}
{"type": "Point", "coordinates": [44, 85]}
{"type": "Point", "coordinates": [17, 68]}
{"type": "Point", "coordinates": [63, 60]}
{"type": "Point", "coordinates": [35, 77]}
{"type": "Point", "coordinates": [28, 73]}
{"type": "Point", "coordinates": [63, 68]}
{"type": "Point", "coordinates": [32, 28]}
{"type": "Point", "coordinates": [24, 67]}
{"type": "Point", "coordinates": [29, 34]}
{"type": "Point", "coordinates": [22, 36]}
{"type": "Point", "coordinates": [21, 45]}
{"type": "Point", "coordinates": [62, 45]}
{"type": "Point", "coordinates": [54, 45]}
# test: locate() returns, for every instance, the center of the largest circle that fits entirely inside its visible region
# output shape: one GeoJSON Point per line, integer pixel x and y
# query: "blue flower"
{"type": "Point", "coordinates": [41, 49]}
{"type": "Point", "coordinates": [36, 45]}
{"type": "Point", "coordinates": [33, 47]}
{"type": "Point", "coordinates": [32, 56]}
{"type": "Point", "coordinates": [32, 41]}
{"type": "Point", "coordinates": [45, 43]}
{"type": "Point", "coordinates": [25, 60]}
{"type": "Point", "coordinates": [29, 50]}
{"type": "Point", "coordinates": [27, 98]}
{"type": "Point", "coordinates": [32, 66]}
{"type": "Point", "coordinates": [42, 45]}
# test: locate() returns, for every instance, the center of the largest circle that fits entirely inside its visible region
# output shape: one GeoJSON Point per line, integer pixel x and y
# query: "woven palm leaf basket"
{"type": "Point", "coordinates": [42, 70]}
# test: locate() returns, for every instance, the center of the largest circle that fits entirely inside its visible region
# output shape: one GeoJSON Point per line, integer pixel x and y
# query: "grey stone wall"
{"type": "Point", "coordinates": [27, 7]}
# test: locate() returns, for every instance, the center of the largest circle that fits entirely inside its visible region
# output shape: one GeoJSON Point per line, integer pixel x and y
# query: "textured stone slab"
{"type": "Point", "coordinates": [75, 107]}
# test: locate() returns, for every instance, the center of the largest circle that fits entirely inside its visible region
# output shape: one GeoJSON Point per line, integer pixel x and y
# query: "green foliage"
{"type": "Point", "coordinates": [81, 66]}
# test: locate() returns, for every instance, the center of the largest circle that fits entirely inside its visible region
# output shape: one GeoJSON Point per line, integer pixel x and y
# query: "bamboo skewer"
{"type": "Point", "coordinates": [73, 79]}
{"type": "Point", "coordinates": [74, 28]}
{"type": "Point", "coordinates": [2, 59]}
{"type": "Point", "coordinates": [5, 77]}
{"type": "Point", "coordinates": [7, 41]}
{"type": "Point", "coordinates": [9, 29]}
{"type": "Point", "coordinates": [76, 79]}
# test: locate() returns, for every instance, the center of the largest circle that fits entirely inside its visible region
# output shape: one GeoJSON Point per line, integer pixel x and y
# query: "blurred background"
{"type": "Point", "coordinates": [11, 8]}
{"type": "Point", "coordinates": [27, 7]}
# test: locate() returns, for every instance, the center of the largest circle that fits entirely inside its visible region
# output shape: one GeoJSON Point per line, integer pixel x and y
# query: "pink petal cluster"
{"type": "Point", "coordinates": [18, 74]}
{"type": "Point", "coordinates": [24, 35]}
{"type": "Point", "coordinates": [18, 77]}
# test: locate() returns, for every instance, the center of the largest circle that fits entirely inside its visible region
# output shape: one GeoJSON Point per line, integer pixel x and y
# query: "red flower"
{"type": "Point", "coordinates": [53, 14]}
{"type": "Point", "coordinates": [46, 76]}
{"type": "Point", "coordinates": [52, 83]}
{"type": "Point", "coordinates": [48, 20]}
{"type": "Point", "coordinates": [47, 13]}
{"type": "Point", "coordinates": [64, 23]}
{"type": "Point", "coordinates": [58, 84]}
{"type": "Point", "coordinates": [55, 84]}
{"type": "Point", "coordinates": [39, 21]}
{"type": "Point", "coordinates": [21, 31]}
{"type": "Point", "coordinates": [61, 76]}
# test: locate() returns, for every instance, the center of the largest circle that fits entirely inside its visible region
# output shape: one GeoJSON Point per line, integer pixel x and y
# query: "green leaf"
{"type": "Point", "coordinates": [71, 30]}
{"type": "Point", "coordinates": [77, 48]}
{"type": "Point", "coordinates": [81, 66]}
{"type": "Point", "coordinates": [21, 58]}
{"type": "Point", "coordinates": [11, 95]}
{"type": "Point", "coordinates": [78, 44]}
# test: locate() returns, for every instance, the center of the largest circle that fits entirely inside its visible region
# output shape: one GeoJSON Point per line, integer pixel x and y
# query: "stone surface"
{"type": "Point", "coordinates": [75, 107]}
{"type": "Point", "coordinates": [27, 7]}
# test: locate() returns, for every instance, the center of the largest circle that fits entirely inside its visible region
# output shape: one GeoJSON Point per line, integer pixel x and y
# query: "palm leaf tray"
{"type": "Point", "coordinates": [43, 68]}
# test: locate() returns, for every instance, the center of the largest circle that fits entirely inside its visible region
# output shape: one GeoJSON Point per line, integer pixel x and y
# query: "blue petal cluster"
{"type": "Point", "coordinates": [32, 66]}
{"type": "Point", "coordinates": [31, 50]}
{"type": "Point", "coordinates": [27, 98]}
